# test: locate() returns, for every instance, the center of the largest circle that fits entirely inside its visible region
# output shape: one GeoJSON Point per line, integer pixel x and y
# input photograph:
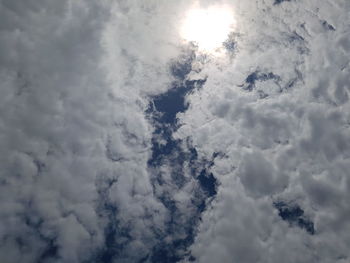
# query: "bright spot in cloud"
{"type": "Point", "coordinates": [208, 27]}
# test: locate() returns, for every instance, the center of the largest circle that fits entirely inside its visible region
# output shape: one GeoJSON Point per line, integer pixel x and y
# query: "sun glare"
{"type": "Point", "coordinates": [208, 28]}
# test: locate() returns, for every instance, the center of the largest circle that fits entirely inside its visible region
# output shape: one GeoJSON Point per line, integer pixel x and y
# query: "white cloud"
{"type": "Point", "coordinates": [291, 144]}
{"type": "Point", "coordinates": [75, 140]}
{"type": "Point", "coordinates": [74, 80]}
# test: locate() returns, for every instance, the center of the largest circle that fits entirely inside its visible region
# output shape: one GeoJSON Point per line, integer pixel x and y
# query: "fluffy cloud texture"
{"type": "Point", "coordinates": [279, 112]}
{"type": "Point", "coordinates": [92, 172]}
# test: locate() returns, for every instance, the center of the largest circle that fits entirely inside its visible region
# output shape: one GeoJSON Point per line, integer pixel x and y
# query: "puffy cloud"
{"type": "Point", "coordinates": [259, 176]}
{"type": "Point", "coordinates": [277, 110]}
{"type": "Point", "coordinates": [98, 164]}
{"type": "Point", "coordinates": [75, 76]}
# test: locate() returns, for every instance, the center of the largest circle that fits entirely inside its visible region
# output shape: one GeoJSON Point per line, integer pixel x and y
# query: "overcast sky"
{"type": "Point", "coordinates": [122, 142]}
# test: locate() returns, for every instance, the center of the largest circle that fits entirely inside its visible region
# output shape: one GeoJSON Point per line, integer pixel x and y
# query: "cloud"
{"type": "Point", "coordinates": [100, 164]}
{"type": "Point", "coordinates": [259, 176]}
{"type": "Point", "coordinates": [75, 77]}
{"type": "Point", "coordinates": [278, 111]}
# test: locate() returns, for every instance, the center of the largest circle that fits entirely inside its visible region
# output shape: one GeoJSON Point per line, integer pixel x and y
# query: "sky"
{"type": "Point", "coordinates": [135, 131]}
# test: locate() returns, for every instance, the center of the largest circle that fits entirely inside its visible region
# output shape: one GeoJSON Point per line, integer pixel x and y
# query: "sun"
{"type": "Point", "coordinates": [208, 27]}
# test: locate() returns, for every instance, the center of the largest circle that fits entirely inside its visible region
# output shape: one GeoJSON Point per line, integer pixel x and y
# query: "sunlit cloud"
{"type": "Point", "coordinates": [208, 27]}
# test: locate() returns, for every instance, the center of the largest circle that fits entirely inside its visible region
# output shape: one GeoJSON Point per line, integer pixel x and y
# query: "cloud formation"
{"type": "Point", "coordinates": [279, 112]}
{"type": "Point", "coordinates": [121, 143]}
